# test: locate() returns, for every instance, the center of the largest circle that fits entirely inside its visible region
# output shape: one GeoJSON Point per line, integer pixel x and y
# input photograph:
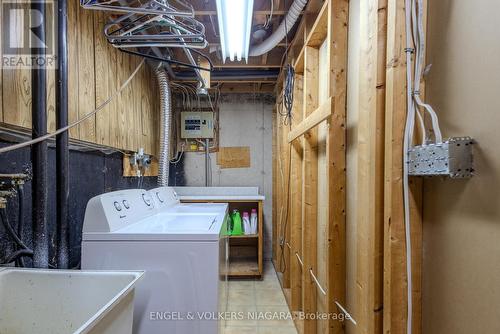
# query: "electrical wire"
{"type": "Point", "coordinates": [268, 21]}
{"type": "Point", "coordinates": [23, 249]}
{"type": "Point", "coordinates": [406, 145]}
{"type": "Point", "coordinates": [84, 118]}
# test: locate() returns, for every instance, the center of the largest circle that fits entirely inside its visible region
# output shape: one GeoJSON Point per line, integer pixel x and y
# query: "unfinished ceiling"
{"type": "Point", "coordinates": [260, 73]}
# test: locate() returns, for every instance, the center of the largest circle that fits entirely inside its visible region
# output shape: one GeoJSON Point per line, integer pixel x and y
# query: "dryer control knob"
{"type": "Point", "coordinates": [159, 197]}
{"type": "Point", "coordinates": [117, 205]}
{"type": "Point", "coordinates": [146, 199]}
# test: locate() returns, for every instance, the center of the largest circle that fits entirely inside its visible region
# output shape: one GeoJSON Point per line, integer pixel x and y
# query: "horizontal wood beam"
{"type": "Point", "coordinates": [317, 116]}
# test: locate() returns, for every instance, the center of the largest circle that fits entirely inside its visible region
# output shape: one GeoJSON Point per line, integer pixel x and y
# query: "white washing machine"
{"type": "Point", "coordinates": [184, 257]}
{"type": "Point", "coordinates": [167, 201]}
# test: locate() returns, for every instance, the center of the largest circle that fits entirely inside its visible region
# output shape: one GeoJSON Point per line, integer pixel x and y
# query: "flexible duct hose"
{"type": "Point", "coordinates": [165, 112]}
{"type": "Point", "coordinates": [280, 33]}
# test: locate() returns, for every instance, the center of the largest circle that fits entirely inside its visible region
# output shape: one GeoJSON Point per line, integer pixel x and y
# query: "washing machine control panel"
{"type": "Point", "coordinates": [115, 210]}
{"type": "Point", "coordinates": [164, 197]}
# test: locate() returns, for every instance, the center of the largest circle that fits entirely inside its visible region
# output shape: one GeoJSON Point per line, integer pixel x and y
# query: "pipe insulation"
{"type": "Point", "coordinates": [286, 25]}
{"type": "Point", "coordinates": [165, 115]}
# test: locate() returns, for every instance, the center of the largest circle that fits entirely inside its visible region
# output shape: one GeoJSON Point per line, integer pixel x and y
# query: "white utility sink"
{"type": "Point", "coordinates": [36, 301]}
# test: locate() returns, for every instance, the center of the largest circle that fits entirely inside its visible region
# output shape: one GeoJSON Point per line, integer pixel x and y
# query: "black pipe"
{"type": "Point", "coordinates": [20, 220]}
{"type": "Point", "coordinates": [39, 150]}
{"type": "Point", "coordinates": [62, 149]}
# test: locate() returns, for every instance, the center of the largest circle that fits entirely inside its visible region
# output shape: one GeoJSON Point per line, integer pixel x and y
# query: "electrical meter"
{"type": "Point", "coordinates": [197, 124]}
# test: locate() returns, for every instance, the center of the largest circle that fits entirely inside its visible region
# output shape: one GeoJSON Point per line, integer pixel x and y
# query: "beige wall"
{"type": "Point", "coordinates": [461, 288]}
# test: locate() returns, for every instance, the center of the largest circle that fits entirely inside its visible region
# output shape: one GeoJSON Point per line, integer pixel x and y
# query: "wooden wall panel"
{"type": "Point", "coordinates": [310, 188]}
{"type": "Point", "coordinates": [296, 201]}
{"type": "Point", "coordinates": [338, 13]}
{"type": "Point", "coordinates": [395, 278]}
{"type": "Point", "coordinates": [371, 168]}
{"type": "Point", "coordinates": [323, 191]}
{"type": "Point", "coordinates": [96, 71]}
{"type": "Point", "coordinates": [86, 88]}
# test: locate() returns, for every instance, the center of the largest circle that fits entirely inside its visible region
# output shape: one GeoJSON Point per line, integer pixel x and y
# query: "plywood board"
{"type": "Point", "coordinates": [233, 157]}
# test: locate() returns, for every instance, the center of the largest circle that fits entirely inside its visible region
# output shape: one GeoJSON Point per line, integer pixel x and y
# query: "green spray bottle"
{"type": "Point", "coordinates": [237, 229]}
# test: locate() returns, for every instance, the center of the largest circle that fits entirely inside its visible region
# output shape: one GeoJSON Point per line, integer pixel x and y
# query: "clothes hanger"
{"type": "Point", "coordinates": [158, 7]}
{"type": "Point", "coordinates": [133, 30]}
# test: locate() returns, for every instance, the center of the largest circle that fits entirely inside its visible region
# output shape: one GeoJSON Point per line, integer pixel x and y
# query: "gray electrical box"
{"type": "Point", "coordinates": [197, 125]}
{"type": "Point", "coordinates": [452, 158]}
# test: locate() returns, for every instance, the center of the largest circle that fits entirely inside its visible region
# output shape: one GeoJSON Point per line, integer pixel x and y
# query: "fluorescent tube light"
{"type": "Point", "coordinates": [235, 25]}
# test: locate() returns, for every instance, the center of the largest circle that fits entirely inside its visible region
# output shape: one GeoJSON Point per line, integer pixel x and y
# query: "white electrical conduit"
{"type": "Point", "coordinates": [280, 33]}
{"type": "Point", "coordinates": [84, 118]}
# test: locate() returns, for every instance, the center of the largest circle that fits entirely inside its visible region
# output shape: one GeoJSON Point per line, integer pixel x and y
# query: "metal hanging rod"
{"type": "Point", "coordinates": [343, 310]}
{"type": "Point", "coordinates": [157, 7]}
{"type": "Point", "coordinates": [323, 291]}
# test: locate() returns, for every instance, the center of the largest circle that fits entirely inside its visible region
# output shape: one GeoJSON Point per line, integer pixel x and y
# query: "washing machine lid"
{"type": "Point", "coordinates": [162, 227]}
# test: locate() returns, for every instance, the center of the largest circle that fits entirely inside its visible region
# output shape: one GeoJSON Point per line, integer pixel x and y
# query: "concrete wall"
{"type": "Point", "coordinates": [245, 120]}
{"type": "Point", "coordinates": [461, 287]}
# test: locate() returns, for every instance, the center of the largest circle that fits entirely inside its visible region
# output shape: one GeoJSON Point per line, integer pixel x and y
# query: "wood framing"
{"type": "Point", "coordinates": [317, 116]}
{"type": "Point", "coordinates": [338, 14]}
{"type": "Point", "coordinates": [310, 188]}
{"type": "Point", "coordinates": [395, 278]}
{"type": "Point", "coordinates": [296, 202]}
{"type": "Point", "coordinates": [369, 294]}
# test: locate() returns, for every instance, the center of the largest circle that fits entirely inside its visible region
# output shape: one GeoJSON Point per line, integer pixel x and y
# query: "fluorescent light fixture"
{"type": "Point", "coordinates": [235, 25]}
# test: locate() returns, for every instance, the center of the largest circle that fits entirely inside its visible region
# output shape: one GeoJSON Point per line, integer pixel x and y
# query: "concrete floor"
{"type": "Point", "coordinates": [263, 298]}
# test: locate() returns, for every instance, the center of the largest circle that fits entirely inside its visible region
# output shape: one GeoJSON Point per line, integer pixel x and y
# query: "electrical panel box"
{"type": "Point", "coordinates": [452, 158]}
{"type": "Point", "coordinates": [197, 125]}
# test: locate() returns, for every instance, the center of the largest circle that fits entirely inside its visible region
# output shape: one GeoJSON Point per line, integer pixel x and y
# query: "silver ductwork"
{"type": "Point", "coordinates": [280, 33]}
{"type": "Point", "coordinates": [165, 116]}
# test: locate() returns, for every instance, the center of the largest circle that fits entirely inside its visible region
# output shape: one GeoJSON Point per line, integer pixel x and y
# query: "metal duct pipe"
{"type": "Point", "coordinates": [280, 33]}
{"type": "Point", "coordinates": [62, 140]}
{"type": "Point", "coordinates": [165, 113]}
{"type": "Point", "coordinates": [39, 153]}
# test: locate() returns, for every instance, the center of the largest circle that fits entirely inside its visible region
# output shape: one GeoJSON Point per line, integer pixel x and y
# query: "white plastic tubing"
{"type": "Point", "coordinates": [165, 113]}
{"type": "Point", "coordinates": [280, 33]}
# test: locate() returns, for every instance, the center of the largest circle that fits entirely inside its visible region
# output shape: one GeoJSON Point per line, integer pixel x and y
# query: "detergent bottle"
{"type": "Point", "coordinates": [237, 229]}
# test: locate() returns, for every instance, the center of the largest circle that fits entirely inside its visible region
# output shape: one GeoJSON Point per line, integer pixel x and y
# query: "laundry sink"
{"type": "Point", "coordinates": [66, 301]}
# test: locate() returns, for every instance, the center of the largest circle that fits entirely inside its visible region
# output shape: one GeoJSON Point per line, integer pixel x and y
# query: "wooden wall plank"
{"type": "Point", "coordinates": [103, 91]}
{"type": "Point", "coordinates": [338, 13]}
{"type": "Point", "coordinates": [17, 90]}
{"type": "Point", "coordinates": [85, 95]}
{"type": "Point", "coordinates": [275, 203]}
{"type": "Point", "coordinates": [296, 201]}
{"type": "Point", "coordinates": [310, 187]}
{"type": "Point", "coordinates": [73, 78]}
{"type": "Point", "coordinates": [370, 174]}
{"type": "Point", "coordinates": [94, 75]}
{"type": "Point", "coordinates": [395, 300]}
